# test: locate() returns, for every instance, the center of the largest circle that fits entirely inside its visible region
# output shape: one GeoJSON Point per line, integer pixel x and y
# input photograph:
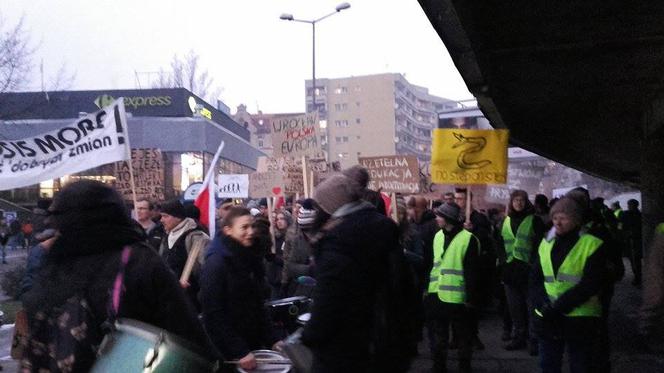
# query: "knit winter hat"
{"type": "Point", "coordinates": [335, 192]}
{"type": "Point", "coordinates": [450, 211]}
{"type": "Point", "coordinates": [174, 208]}
{"type": "Point", "coordinates": [569, 207]}
{"type": "Point", "coordinates": [307, 214]}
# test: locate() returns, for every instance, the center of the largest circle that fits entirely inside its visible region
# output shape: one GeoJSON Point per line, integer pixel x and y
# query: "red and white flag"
{"type": "Point", "coordinates": [205, 201]}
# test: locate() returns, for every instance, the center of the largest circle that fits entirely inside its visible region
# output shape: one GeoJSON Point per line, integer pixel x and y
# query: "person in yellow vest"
{"type": "Point", "coordinates": [566, 280]}
{"type": "Point", "coordinates": [651, 316]}
{"type": "Point", "coordinates": [453, 286]}
{"type": "Point", "coordinates": [521, 233]}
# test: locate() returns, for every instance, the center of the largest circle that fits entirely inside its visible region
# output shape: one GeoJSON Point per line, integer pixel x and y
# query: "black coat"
{"type": "Point", "coordinates": [351, 265]}
{"type": "Point", "coordinates": [232, 288]}
{"type": "Point", "coordinates": [153, 295]}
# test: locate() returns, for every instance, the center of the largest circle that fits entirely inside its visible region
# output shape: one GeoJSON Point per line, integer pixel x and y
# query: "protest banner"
{"type": "Point", "coordinates": [233, 186]}
{"type": "Point", "coordinates": [93, 140]}
{"type": "Point", "coordinates": [393, 174]}
{"type": "Point", "coordinates": [469, 156]}
{"type": "Point", "coordinates": [497, 194]}
{"type": "Point", "coordinates": [265, 184]}
{"type": "Point", "coordinates": [148, 168]}
{"type": "Point", "coordinates": [296, 136]}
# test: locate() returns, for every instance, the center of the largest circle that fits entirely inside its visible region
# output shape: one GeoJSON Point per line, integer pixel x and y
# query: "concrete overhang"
{"type": "Point", "coordinates": [573, 81]}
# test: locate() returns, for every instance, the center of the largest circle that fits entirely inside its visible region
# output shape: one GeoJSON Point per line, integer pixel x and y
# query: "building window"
{"type": "Point", "coordinates": [357, 104]}
{"type": "Point", "coordinates": [344, 139]}
{"type": "Point", "coordinates": [358, 137]}
{"type": "Point", "coordinates": [341, 123]}
{"type": "Point", "coordinates": [340, 107]}
{"type": "Point", "coordinates": [357, 121]}
{"type": "Point", "coordinates": [358, 88]}
{"type": "Point", "coordinates": [337, 139]}
{"type": "Point", "coordinates": [260, 143]}
{"type": "Point", "coordinates": [340, 90]}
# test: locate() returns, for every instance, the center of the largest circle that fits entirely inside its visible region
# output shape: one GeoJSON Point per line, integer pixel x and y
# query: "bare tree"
{"type": "Point", "coordinates": [15, 56]}
{"type": "Point", "coordinates": [186, 72]}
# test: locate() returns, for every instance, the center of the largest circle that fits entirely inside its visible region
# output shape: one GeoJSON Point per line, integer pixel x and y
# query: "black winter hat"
{"type": "Point", "coordinates": [450, 211]}
{"type": "Point", "coordinates": [87, 203]}
{"type": "Point", "coordinates": [174, 208]}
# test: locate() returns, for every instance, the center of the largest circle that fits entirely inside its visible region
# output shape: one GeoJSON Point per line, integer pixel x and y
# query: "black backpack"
{"type": "Point", "coordinates": [66, 338]}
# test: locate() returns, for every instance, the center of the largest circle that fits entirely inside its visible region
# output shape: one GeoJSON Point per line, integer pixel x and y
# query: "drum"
{"type": "Point", "coordinates": [285, 311]}
{"type": "Point", "coordinates": [304, 318]}
{"type": "Point", "coordinates": [138, 347]}
{"type": "Point", "coordinates": [280, 364]}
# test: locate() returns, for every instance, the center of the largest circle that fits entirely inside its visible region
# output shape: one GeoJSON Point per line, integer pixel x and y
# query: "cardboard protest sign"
{"type": "Point", "coordinates": [91, 141]}
{"type": "Point", "coordinates": [463, 156]}
{"type": "Point", "coordinates": [265, 184]}
{"type": "Point", "coordinates": [296, 136]}
{"type": "Point", "coordinates": [148, 170]}
{"type": "Point", "coordinates": [393, 174]}
{"type": "Point", "coordinates": [233, 186]}
{"type": "Point", "coordinates": [497, 194]}
{"type": "Point", "coordinates": [291, 170]}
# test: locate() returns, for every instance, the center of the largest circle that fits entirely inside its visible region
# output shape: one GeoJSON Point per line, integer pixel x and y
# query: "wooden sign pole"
{"type": "Point", "coordinates": [468, 204]}
{"type": "Point", "coordinates": [304, 176]}
{"type": "Point", "coordinates": [270, 209]}
{"type": "Point", "coordinates": [395, 213]}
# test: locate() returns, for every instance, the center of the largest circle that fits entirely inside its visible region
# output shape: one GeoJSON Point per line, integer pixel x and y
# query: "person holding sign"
{"type": "Point", "coordinates": [183, 249]}
{"type": "Point", "coordinates": [232, 289]}
{"type": "Point", "coordinates": [521, 232]}
{"type": "Point", "coordinates": [453, 285]}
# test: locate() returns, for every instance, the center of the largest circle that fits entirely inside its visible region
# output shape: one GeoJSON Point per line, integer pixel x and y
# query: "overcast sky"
{"type": "Point", "coordinates": [254, 56]}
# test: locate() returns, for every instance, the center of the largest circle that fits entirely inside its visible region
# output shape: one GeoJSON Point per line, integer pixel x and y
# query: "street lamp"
{"type": "Point", "coordinates": [289, 17]}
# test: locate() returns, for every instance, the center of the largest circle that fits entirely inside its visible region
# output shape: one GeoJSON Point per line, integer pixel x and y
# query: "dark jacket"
{"type": "Point", "coordinates": [232, 288]}
{"type": "Point", "coordinates": [351, 266]}
{"type": "Point", "coordinates": [275, 261]}
{"type": "Point", "coordinates": [297, 258]}
{"type": "Point", "coordinates": [591, 284]}
{"type": "Point", "coordinates": [426, 229]}
{"type": "Point", "coordinates": [516, 272]}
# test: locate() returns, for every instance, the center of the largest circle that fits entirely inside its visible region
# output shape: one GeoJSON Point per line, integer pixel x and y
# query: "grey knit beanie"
{"type": "Point", "coordinates": [450, 211]}
{"type": "Point", "coordinates": [569, 207]}
{"type": "Point", "coordinates": [335, 192]}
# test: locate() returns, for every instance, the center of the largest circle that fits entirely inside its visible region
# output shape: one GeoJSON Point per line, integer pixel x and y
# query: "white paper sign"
{"type": "Point", "coordinates": [88, 142]}
{"type": "Point", "coordinates": [233, 186]}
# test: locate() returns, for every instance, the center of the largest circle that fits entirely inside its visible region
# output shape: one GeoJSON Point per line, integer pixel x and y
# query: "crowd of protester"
{"type": "Point", "coordinates": [389, 274]}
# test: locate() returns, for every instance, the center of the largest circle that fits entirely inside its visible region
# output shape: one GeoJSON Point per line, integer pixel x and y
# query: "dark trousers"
{"type": "Point", "coordinates": [635, 258]}
{"type": "Point", "coordinates": [601, 362]}
{"type": "Point", "coordinates": [520, 311]}
{"type": "Point", "coordinates": [459, 319]}
{"type": "Point", "coordinates": [579, 353]}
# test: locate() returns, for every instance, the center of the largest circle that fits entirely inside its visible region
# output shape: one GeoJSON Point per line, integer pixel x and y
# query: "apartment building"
{"type": "Point", "coordinates": [375, 115]}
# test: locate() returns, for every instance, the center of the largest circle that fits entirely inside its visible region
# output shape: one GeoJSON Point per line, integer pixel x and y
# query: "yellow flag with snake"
{"type": "Point", "coordinates": [463, 156]}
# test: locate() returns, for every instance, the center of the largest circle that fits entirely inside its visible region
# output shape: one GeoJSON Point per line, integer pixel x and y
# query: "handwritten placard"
{"type": "Point", "coordinates": [148, 165]}
{"type": "Point", "coordinates": [296, 136]}
{"type": "Point", "coordinates": [265, 184]}
{"type": "Point", "coordinates": [393, 174]}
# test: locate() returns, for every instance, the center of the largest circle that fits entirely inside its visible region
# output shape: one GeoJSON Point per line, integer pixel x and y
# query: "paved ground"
{"type": "Point", "coordinates": [626, 355]}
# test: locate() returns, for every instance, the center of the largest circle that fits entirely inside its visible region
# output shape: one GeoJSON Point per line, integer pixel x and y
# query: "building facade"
{"type": "Point", "coordinates": [259, 126]}
{"type": "Point", "coordinates": [375, 115]}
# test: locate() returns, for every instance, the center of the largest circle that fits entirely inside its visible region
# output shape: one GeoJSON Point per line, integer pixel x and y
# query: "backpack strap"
{"type": "Point", "coordinates": [119, 282]}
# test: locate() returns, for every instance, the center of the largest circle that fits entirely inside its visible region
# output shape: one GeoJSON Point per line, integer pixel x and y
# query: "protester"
{"type": "Point", "coordinates": [631, 227]}
{"type": "Point", "coordinates": [542, 210]}
{"type": "Point", "coordinates": [453, 286]}
{"type": "Point", "coordinates": [4, 238]}
{"type": "Point", "coordinates": [356, 324]}
{"type": "Point", "coordinates": [80, 270]}
{"type": "Point", "coordinates": [652, 308]}
{"type": "Point", "coordinates": [566, 281]}
{"type": "Point", "coordinates": [521, 233]}
{"type": "Point", "coordinates": [184, 238]}
{"type": "Point", "coordinates": [361, 176]}
{"type": "Point", "coordinates": [275, 258]}
{"type": "Point", "coordinates": [298, 253]}
{"type": "Point", "coordinates": [232, 294]}
{"type": "Point", "coordinates": [27, 230]}
{"type": "Point", "coordinates": [154, 231]}
{"type": "Point", "coordinates": [480, 227]}
{"type": "Point", "coordinates": [223, 207]}
{"type": "Point", "coordinates": [594, 223]}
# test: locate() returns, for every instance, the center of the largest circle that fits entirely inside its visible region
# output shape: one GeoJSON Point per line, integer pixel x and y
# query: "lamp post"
{"type": "Point", "coordinates": [289, 17]}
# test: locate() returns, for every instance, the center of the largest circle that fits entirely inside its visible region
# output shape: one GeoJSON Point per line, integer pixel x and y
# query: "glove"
{"type": "Point", "coordinates": [549, 313]}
